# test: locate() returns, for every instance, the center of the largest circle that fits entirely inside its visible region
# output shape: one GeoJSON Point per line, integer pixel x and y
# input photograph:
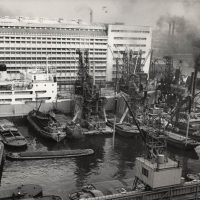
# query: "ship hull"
{"type": "Point", "coordinates": [17, 110]}
{"type": "Point", "coordinates": [49, 154]}
{"type": "Point", "coordinates": [44, 133]}
{"type": "Point", "coordinates": [179, 141]}
{"type": "Point", "coordinates": [124, 131]}
{"type": "Point", "coordinates": [63, 105]}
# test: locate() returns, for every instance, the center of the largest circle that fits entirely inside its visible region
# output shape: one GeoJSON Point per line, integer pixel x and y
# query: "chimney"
{"type": "Point", "coordinates": [173, 27]}
{"type": "Point", "coordinates": [91, 16]}
{"type": "Point", "coordinates": [170, 26]}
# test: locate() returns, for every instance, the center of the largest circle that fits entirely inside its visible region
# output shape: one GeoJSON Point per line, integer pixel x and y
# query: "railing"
{"type": "Point", "coordinates": [174, 192]}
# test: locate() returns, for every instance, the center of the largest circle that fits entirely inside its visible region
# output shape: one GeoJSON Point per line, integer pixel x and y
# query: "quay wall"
{"type": "Point", "coordinates": [65, 106]}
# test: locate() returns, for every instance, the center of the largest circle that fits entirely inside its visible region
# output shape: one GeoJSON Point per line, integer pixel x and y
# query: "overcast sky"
{"type": "Point", "coordinates": [137, 12]}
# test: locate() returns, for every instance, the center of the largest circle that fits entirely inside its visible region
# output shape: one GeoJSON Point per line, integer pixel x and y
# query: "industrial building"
{"type": "Point", "coordinates": [27, 43]}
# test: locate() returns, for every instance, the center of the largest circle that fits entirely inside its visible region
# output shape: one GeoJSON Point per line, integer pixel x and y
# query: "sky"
{"type": "Point", "coordinates": [133, 12]}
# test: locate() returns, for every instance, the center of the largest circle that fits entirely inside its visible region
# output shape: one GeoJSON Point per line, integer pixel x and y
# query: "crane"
{"type": "Point", "coordinates": [155, 145]}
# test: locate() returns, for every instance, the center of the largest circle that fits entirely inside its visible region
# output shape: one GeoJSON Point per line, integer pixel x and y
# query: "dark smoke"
{"type": "Point", "coordinates": [184, 37]}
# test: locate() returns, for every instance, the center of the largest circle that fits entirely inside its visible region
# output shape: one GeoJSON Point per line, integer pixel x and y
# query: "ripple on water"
{"type": "Point", "coordinates": [59, 176]}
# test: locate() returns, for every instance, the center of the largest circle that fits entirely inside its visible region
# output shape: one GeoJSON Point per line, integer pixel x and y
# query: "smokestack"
{"type": "Point", "coordinates": [170, 26]}
{"type": "Point", "coordinates": [173, 27]}
{"type": "Point", "coordinates": [91, 16]}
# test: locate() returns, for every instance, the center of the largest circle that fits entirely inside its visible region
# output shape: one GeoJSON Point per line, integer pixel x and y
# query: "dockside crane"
{"type": "Point", "coordinates": [87, 94]}
{"type": "Point", "coordinates": [155, 169]}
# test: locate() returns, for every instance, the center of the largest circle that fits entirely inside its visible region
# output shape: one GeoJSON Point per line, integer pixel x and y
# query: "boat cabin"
{"type": "Point", "coordinates": [158, 174]}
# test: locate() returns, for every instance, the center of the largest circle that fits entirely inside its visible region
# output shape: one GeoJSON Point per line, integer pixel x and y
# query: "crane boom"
{"type": "Point", "coordinates": [154, 142]}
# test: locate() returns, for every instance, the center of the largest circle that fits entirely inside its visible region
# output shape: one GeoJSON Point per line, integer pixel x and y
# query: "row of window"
{"type": "Point", "coordinates": [68, 50]}
{"type": "Point", "coordinates": [72, 64]}
{"type": "Point", "coordinates": [66, 78]}
{"type": "Point", "coordinates": [46, 42]}
{"type": "Point", "coordinates": [129, 38]}
{"type": "Point", "coordinates": [45, 54]}
{"type": "Point", "coordinates": [130, 45]}
{"type": "Point", "coordinates": [51, 28]}
{"type": "Point", "coordinates": [51, 58]}
{"type": "Point", "coordinates": [121, 52]}
{"type": "Point", "coordinates": [39, 62]}
{"type": "Point", "coordinates": [130, 31]}
{"type": "Point", "coordinates": [50, 38]}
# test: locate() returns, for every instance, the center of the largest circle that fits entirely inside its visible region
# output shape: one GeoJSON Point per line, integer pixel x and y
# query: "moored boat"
{"type": "Point", "coordinates": [124, 129]}
{"type": "Point", "coordinates": [192, 177]}
{"type": "Point", "coordinates": [87, 191]}
{"type": "Point", "coordinates": [49, 154]}
{"type": "Point", "coordinates": [46, 125]}
{"type": "Point", "coordinates": [10, 135]}
{"type": "Point", "coordinates": [180, 141]}
{"type": "Point", "coordinates": [21, 192]}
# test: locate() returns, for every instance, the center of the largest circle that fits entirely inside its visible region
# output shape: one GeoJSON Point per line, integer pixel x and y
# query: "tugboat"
{"type": "Point", "coordinates": [46, 125]}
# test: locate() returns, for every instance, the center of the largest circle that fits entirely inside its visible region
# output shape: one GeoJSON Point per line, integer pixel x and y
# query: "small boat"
{"type": "Point", "coordinates": [124, 129]}
{"type": "Point", "coordinates": [87, 127]}
{"type": "Point", "coordinates": [10, 135]}
{"type": "Point", "coordinates": [32, 155]}
{"type": "Point", "coordinates": [94, 126]}
{"type": "Point", "coordinates": [103, 190]}
{"type": "Point", "coordinates": [21, 192]}
{"type": "Point", "coordinates": [180, 141]}
{"type": "Point", "coordinates": [192, 177]}
{"type": "Point", "coordinates": [46, 125]}
{"type": "Point", "coordinates": [88, 191]}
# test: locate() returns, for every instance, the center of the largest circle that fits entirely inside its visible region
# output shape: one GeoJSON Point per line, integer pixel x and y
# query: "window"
{"type": "Point", "coordinates": [145, 172]}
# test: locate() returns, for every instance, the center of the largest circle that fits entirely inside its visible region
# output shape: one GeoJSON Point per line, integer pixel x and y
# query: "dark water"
{"type": "Point", "coordinates": [60, 176]}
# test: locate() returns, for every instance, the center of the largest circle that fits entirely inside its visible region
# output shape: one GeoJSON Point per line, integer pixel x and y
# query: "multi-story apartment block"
{"type": "Point", "coordinates": [122, 38]}
{"type": "Point", "coordinates": [38, 43]}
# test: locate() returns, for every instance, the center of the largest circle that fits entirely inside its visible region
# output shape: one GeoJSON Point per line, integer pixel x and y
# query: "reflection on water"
{"type": "Point", "coordinates": [59, 176]}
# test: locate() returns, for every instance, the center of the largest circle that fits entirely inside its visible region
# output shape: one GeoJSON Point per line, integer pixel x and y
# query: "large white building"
{"type": "Point", "coordinates": [122, 38]}
{"type": "Point", "coordinates": [27, 43]}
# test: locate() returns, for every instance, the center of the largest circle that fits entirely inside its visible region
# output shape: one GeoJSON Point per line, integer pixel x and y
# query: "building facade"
{"type": "Point", "coordinates": [27, 43]}
{"type": "Point", "coordinates": [125, 38]}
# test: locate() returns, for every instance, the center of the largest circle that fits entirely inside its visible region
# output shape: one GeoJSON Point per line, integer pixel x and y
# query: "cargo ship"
{"type": "Point", "coordinates": [21, 92]}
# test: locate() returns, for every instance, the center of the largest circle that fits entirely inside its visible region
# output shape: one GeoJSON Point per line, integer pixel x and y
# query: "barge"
{"type": "Point", "coordinates": [33, 155]}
